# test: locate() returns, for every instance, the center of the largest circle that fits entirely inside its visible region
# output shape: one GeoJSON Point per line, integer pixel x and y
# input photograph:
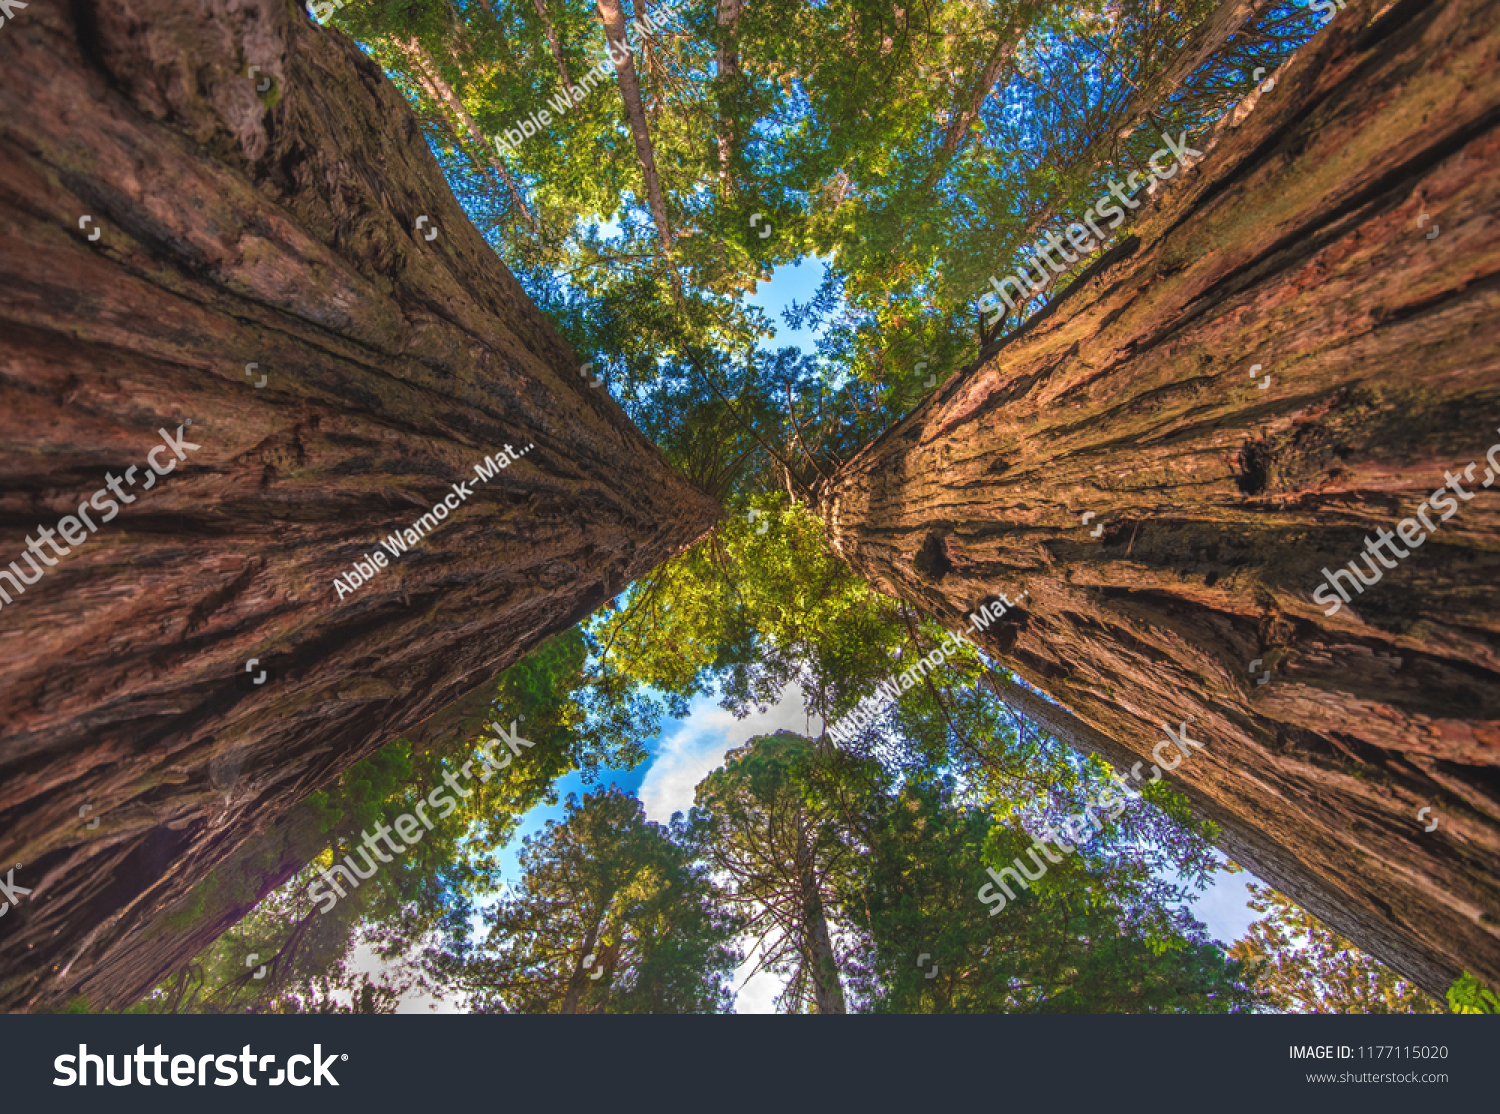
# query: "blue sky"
{"type": "Point", "coordinates": [791, 282]}
{"type": "Point", "coordinates": [688, 749]}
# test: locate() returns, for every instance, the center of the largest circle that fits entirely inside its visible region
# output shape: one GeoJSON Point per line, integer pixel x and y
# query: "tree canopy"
{"type": "Point", "coordinates": [913, 154]}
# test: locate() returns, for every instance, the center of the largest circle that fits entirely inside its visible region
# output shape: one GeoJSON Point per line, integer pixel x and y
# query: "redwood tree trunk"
{"type": "Point", "coordinates": [1295, 244]}
{"type": "Point", "coordinates": [122, 973]}
{"type": "Point", "coordinates": [275, 227]}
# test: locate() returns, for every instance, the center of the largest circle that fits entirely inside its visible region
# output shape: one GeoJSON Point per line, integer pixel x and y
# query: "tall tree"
{"type": "Point", "coordinates": [427, 72]}
{"type": "Point", "coordinates": [612, 17]}
{"type": "Point", "coordinates": [610, 916]}
{"type": "Point", "coordinates": [1216, 392]}
{"type": "Point", "coordinates": [294, 228]}
{"type": "Point", "coordinates": [762, 825]}
{"type": "Point", "coordinates": [557, 52]}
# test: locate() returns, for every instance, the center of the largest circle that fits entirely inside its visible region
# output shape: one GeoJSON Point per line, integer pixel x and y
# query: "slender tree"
{"type": "Point", "coordinates": [610, 916]}
{"type": "Point", "coordinates": [763, 826]}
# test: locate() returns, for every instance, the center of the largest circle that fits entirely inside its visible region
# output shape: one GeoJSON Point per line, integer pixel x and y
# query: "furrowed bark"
{"type": "Point", "coordinates": [133, 965]}
{"type": "Point", "coordinates": [274, 227]}
{"type": "Point", "coordinates": [1339, 232]}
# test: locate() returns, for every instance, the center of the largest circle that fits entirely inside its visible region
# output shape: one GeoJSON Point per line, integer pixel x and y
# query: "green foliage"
{"type": "Point", "coordinates": [1090, 936]}
{"type": "Point", "coordinates": [611, 916]}
{"type": "Point", "coordinates": [913, 152]}
{"type": "Point", "coordinates": [1302, 966]}
{"type": "Point", "coordinates": [1469, 995]}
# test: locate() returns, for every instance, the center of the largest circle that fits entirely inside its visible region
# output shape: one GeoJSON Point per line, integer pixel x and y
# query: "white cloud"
{"type": "Point", "coordinates": [756, 994]}
{"type": "Point", "coordinates": [688, 755]}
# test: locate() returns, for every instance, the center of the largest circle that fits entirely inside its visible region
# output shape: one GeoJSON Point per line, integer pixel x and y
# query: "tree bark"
{"type": "Point", "coordinates": [124, 971]}
{"type": "Point", "coordinates": [1294, 244]}
{"type": "Point", "coordinates": [1245, 845]}
{"type": "Point", "coordinates": [822, 964]}
{"type": "Point", "coordinates": [273, 227]}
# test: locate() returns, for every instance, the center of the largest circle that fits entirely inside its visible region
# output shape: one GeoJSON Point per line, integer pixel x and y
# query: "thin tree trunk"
{"type": "Point", "coordinates": [612, 16]}
{"type": "Point", "coordinates": [604, 960]}
{"type": "Point", "coordinates": [1169, 520]}
{"type": "Point", "coordinates": [1007, 43]}
{"type": "Point", "coordinates": [727, 80]}
{"type": "Point", "coordinates": [822, 964]}
{"type": "Point", "coordinates": [576, 979]}
{"type": "Point", "coordinates": [443, 93]}
{"type": "Point", "coordinates": [557, 54]}
{"type": "Point", "coordinates": [277, 228]}
{"type": "Point", "coordinates": [1205, 41]}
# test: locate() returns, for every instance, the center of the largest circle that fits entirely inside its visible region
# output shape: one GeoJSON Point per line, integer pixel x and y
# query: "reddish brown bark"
{"type": "Point", "coordinates": [275, 227]}
{"type": "Point", "coordinates": [124, 972]}
{"type": "Point", "coordinates": [1294, 243]}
